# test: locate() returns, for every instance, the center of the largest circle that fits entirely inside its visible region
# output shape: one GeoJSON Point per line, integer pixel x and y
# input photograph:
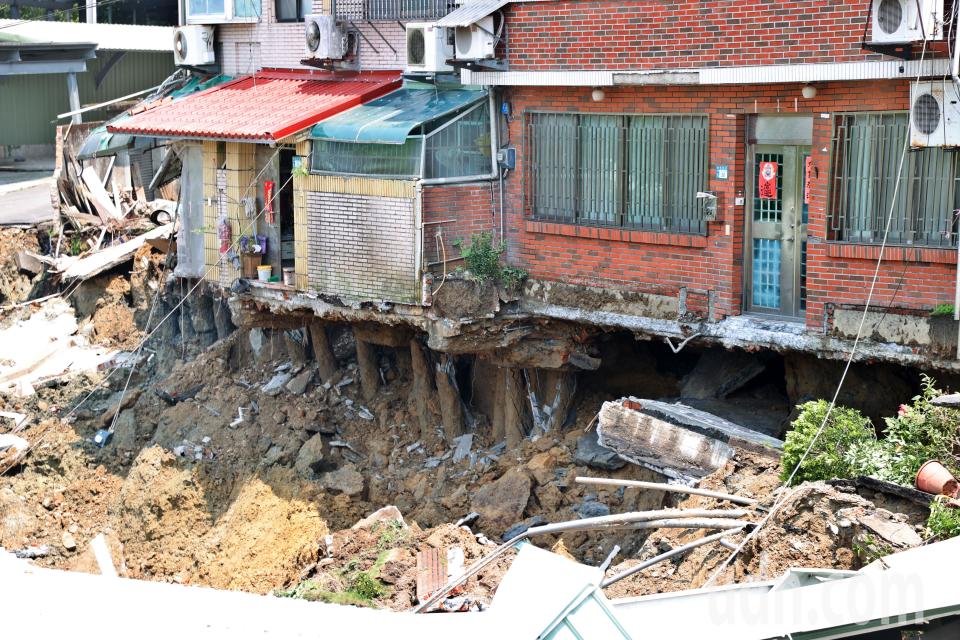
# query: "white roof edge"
{"type": "Point", "coordinates": [768, 74]}
{"type": "Point", "coordinates": [110, 37]}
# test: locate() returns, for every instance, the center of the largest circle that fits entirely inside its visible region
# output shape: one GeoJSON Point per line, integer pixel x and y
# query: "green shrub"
{"type": "Point", "coordinates": [942, 311]}
{"type": "Point", "coordinates": [482, 259]}
{"type": "Point", "coordinates": [367, 587]}
{"type": "Point", "coordinates": [944, 520]}
{"type": "Point", "coordinates": [828, 457]}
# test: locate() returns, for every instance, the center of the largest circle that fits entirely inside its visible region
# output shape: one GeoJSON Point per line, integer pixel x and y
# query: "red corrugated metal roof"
{"type": "Point", "coordinates": [269, 105]}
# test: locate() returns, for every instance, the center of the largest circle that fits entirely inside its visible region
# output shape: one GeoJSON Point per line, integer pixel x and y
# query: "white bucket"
{"type": "Point", "coordinates": [264, 271]}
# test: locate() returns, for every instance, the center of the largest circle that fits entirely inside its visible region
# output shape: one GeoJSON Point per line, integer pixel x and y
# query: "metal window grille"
{"type": "Point", "coordinates": [628, 171]}
{"type": "Point", "coordinates": [382, 160]}
{"type": "Point", "coordinates": [403, 10]}
{"type": "Point", "coordinates": [866, 156]}
{"type": "Point", "coordinates": [460, 148]}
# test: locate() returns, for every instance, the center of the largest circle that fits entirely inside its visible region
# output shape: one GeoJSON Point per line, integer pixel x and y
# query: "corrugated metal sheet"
{"type": "Point", "coordinates": [118, 37]}
{"type": "Point", "coordinates": [269, 105]}
{"type": "Point", "coordinates": [30, 103]}
{"type": "Point", "coordinates": [470, 12]}
{"type": "Point", "coordinates": [391, 118]}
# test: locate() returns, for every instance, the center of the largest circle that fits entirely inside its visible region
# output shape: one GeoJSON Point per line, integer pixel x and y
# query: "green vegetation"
{"type": "Point", "coordinates": [944, 520]}
{"type": "Point", "coordinates": [392, 534]}
{"type": "Point", "coordinates": [827, 459]}
{"type": "Point", "coordinates": [848, 447]}
{"type": "Point", "coordinates": [942, 311]}
{"type": "Point", "coordinates": [870, 549]}
{"type": "Point", "coordinates": [482, 259]}
{"type": "Point", "coordinates": [314, 592]}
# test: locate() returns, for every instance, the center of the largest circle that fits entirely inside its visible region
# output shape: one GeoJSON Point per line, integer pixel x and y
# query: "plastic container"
{"type": "Point", "coordinates": [264, 272]}
{"type": "Point", "coordinates": [289, 278]}
{"type": "Point", "coordinates": [934, 478]}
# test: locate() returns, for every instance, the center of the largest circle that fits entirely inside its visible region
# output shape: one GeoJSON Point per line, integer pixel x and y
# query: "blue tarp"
{"type": "Point", "coordinates": [391, 118]}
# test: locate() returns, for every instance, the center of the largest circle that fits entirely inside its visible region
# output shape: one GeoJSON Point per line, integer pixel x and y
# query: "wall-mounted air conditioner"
{"type": "Point", "coordinates": [906, 20]}
{"type": "Point", "coordinates": [477, 41]}
{"type": "Point", "coordinates": [934, 114]}
{"type": "Point", "coordinates": [193, 46]}
{"type": "Point", "coordinates": [325, 39]}
{"type": "Point", "coordinates": [428, 48]}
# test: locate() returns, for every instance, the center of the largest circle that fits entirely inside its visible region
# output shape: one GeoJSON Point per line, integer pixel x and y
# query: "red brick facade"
{"type": "Point", "coordinates": [654, 34]}
{"type": "Point", "coordinates": [664, 263]}
{"type": "Point", "coordinates": [457, 212]}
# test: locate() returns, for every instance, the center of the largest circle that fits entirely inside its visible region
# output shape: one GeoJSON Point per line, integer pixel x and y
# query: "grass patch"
{"type": "Point", "coordinates": [942, 311]}
{"type": "Point", "coordinates": [482, 259]}
{"type": "Point", "coordinates": [944, 520]}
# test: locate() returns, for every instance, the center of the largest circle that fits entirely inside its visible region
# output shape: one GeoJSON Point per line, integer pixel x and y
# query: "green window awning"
{"type": "Point", "coordinates": [391, 118]}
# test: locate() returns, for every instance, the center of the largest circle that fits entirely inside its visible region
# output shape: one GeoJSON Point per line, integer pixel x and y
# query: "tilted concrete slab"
{"type": "Point", "coordinates": [675, 440]}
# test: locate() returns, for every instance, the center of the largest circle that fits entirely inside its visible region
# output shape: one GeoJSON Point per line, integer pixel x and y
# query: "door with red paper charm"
{"type": "Point", "coordinates": [776, 244]}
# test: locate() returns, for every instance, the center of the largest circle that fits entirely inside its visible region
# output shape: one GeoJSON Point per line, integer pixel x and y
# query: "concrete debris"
{"type": "Point", "coordinates": [69, 542]}
{"type": "Point", "coordinates": [310, 455]}
{"type": "Point", "coordinates": [900, 534]}
{"type": "Point", "coordinates": [502, 502]}
{"type": "Point", "coordinates": [461, 446]}
{"type": "Point", "coordinates": [298, 384]}
{"type": "Point", "coordinates": [591, 454]}
{"type": "Point", "coordinates": [346, 480]}
{"type": "Point", "coordinates": [385, 514]}
{"type": "Point", "coordinates": [32, 553]}
{"type": "Point", "coordinates": [13, 449]}
{"type": "Point", "coordinates": [675, 440]}
{"type": "Point", "coordinates": [276, 384]}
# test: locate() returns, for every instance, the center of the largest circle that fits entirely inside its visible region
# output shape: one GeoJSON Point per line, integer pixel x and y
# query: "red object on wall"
{"type": "Point", "coordinates": [807, 179]}
{"type": "Point", "coordinates": [268, 187]}
{"type": "Point", "coordinates": [767, 184]}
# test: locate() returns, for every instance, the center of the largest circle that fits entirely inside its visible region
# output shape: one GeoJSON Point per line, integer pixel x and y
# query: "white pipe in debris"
{"type": "Point", "coordinates": [671, 488]}
{"type": "Point", "coordinates": [666, 556]}
{"type": "Point", "coordinates": [631, 520]}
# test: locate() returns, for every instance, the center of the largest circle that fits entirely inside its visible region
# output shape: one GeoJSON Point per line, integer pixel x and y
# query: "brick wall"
{"type": "Point", "coordinates": [456, 212]}
{"type": "Point", "coordinates": [246, 48]}
{"type": "Point", "coordinates": [362, 247]}
{"type": "Point", "coordinates": [635, 34]}
{"type": "Point", "coordinates": [665, 263]}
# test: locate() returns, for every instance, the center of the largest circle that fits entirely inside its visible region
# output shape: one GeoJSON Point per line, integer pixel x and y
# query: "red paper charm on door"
{"type": "Point", "coordinates": [268, 199]}
{"type": "Point", "coordinates": [767, 186]}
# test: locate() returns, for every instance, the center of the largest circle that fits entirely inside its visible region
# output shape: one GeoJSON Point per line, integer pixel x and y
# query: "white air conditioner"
{"type": "Point", "coordinates": [193, 46]}
{"type": "Point", "coordinates": [428, 48]}
{"type": "Point", "coordinates": [476, 42]}
{"type": "Point", "coordinates": [934, 114]}
{"type": "Point", "coordinates": [907, 20]}
{"type": "Point", "coordinates": [325, 39]}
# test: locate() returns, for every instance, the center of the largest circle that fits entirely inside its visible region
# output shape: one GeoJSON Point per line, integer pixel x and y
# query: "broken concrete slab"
{"type": "Point", "coordinates": [105, 259]}
{"type": "Point", "coordinates": [719, 373]}
{"type": "Point", "coordinates": [675, 440]}
{"type": "Point", "coordinates": [276, 383]}
{"type": "Point", "coordinates": [388, 513]}
{"type": "Point", "coordinates": [893, 531]}
{"type": "Point", "coordinates": [298, 385]}
{"type": "Point", "coordinates": [26, 261]}
{"type": "Point", "coordinates": [591, 454]}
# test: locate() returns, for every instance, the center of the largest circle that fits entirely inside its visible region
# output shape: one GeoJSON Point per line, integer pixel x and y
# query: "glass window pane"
{"type": "Point", "coordinates": [385, 160]}
{"type": "Point", "coordinates": [461, 149]}
{"type": "Point", "coordinates": [287, 10]}
{"type": "Point", "coordinates": [553, 166]}
{"type": "Point", "coordinates": [206, 7]}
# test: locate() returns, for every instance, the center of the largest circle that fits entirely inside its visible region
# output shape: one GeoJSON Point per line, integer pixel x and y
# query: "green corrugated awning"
{"type": "Point", "coordinates": [100, 142]}
{"type": "Point", "coordinates": [391, 118]}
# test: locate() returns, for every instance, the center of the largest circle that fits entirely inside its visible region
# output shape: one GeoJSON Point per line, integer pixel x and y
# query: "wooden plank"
{"type": "Point", "coordinates": [98, 195]}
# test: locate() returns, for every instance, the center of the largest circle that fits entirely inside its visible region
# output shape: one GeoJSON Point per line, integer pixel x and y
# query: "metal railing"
{"type": "Point", "coordinates": [625, 171]}
{"type": "Point", "coordinates": [866, 156]}
{"type": "Point", "coordinates": [402, 10]}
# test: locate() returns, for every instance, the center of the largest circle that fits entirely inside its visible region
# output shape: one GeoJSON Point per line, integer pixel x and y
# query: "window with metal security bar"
{"type": "Point", "coordinates": [628, 171]}
{"type": "Point", "coordinates": [457, 148]}
{"type": "Point", "coordinates": [292, 10]}
{"type": "Point", "coordinates": [867, 148]}
{"type": "Point", "coordinates": [391, 10]}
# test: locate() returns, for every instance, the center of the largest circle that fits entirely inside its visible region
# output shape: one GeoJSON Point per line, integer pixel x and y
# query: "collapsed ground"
{"type": "Point", "coordinates": [191, 491]}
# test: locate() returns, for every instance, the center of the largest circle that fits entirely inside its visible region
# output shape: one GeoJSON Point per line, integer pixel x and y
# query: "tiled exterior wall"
{"type": "Point", "coordinates": [663, 263]}
{"type": "Point", "coordinates": [363, 244]}
{"type": "Point", "coordinates": [246, 48]}
{"type": "Point", "coordinates": [635, 34]}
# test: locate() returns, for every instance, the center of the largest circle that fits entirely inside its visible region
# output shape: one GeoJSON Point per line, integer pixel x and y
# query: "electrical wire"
{"type": "Point", "coordinates": [833, 402]}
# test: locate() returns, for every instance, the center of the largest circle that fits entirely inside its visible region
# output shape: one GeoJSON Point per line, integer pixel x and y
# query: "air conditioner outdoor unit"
{"type": "Point", "coordinates": [428, 48]}
{"type": "Point", "coordinates": [193, 46]}
{"type": "Point", "coordinates": [325, 39]}
{"type": "Point", "coordinates": [934, 114]}
{"type": "Point", "coordinates": [907, 20]}
{"type": "Point", "coordinates": [476, 42]}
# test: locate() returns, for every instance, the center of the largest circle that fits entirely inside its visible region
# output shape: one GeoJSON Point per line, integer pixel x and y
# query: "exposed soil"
{"type": "Point", "coordinates": [15, 285]}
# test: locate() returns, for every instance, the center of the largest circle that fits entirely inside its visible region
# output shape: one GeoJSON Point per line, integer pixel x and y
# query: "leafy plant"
{"type": "Point", "coordinates": [827, 458]}
{"type": "Point", "coordinates": [870, 549]}
{"type": "Point", "coordinates": [942, 311]}
{"type": "Point", "coordinates": [367, 587]}
{"type": "Point", "coordinates": [482, 259]}
{"type": "Point", "coordinates": [944, 520]}
{"type": "Point", "coordinates": [392, 534]}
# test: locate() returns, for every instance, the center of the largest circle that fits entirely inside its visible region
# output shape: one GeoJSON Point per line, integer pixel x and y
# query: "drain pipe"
{"type": "Point", "coordinates": [679, 347]}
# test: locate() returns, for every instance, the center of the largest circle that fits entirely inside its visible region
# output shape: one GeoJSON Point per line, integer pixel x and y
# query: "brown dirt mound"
{"type": "Point", "coordinates": [14, 285]}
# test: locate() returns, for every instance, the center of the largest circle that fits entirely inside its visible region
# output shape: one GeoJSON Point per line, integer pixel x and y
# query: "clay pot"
{"type": "Point", "coordinates": [934, 478]}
